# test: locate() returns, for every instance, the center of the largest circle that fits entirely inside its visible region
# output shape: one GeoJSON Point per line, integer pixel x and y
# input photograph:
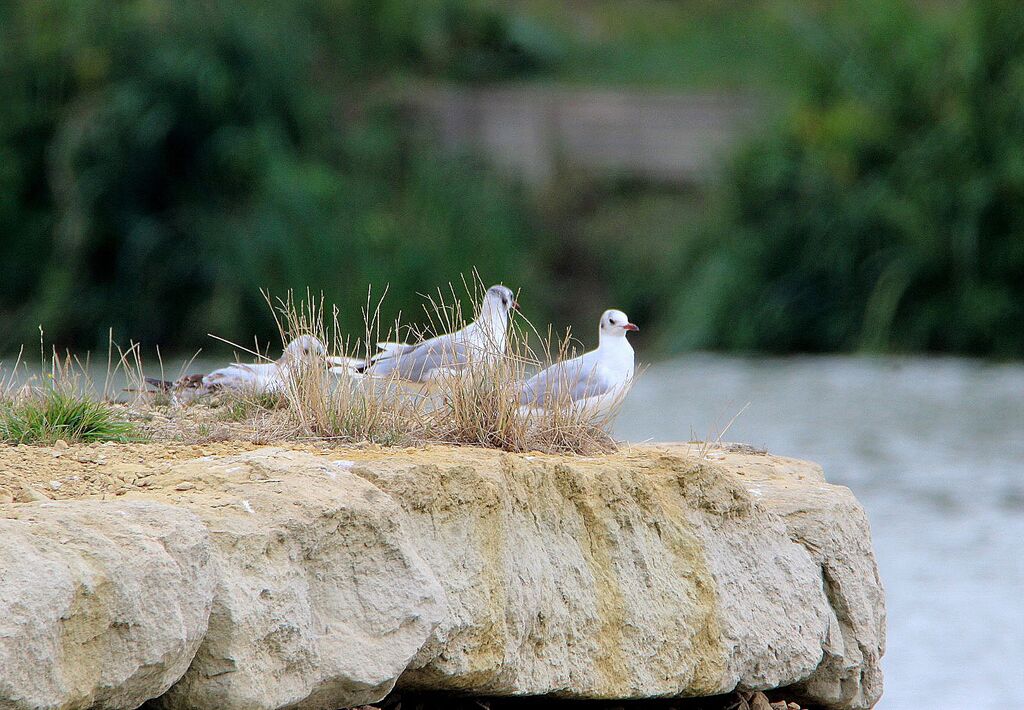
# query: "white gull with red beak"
{"type": "Point", "coordinates": [593, 382]}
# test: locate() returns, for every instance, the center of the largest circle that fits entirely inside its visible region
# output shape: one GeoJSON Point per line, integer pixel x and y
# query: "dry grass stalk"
{"type": "Point", "coordinates": [347, 408]}
{"type": "Point", "coordinates": [714, 441]}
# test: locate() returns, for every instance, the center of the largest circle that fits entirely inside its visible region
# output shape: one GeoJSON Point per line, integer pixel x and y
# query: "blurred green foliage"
{"type": "Point", "coordinates": [887, 212]}
{"type": "Point", "coordinates": [162, 160]}
{"type": "Point", "coordinates": [674, 44]}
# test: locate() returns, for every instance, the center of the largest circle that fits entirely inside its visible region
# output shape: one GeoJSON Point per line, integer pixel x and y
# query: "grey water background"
{"type": "Point", "coordinates": [934, 449]}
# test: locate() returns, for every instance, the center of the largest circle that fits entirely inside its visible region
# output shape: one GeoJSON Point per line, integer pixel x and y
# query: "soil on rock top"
{"type": "Point", "coordinates": [105, 470]}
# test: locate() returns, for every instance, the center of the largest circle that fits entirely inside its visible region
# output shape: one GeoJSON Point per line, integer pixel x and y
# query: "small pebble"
{"type": "Point", "coordinates": [60, 444]}
{"type": "Point", "coordinates": [55, 485]}
{"type": "Point", "coordinates": [28, 494]}
{"type": "Point", "coordinates": [184, 486]}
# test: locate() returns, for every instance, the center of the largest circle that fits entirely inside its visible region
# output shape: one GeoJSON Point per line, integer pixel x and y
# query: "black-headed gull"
{"type": "Point", "coordinates": [253, 378]}
{"type": "Point", "coordinates": [445, 354]}
{"type": "Point", "coordinates": [593, 382]}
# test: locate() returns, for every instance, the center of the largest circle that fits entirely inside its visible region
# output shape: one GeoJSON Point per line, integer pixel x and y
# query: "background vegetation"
{"type": "Point", "coordinates": [162, 161]}
{"type": "Point", "coordinates": [887, 211]}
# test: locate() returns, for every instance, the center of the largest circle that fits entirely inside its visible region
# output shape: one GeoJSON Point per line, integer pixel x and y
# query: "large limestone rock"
{"type": "Point", "coordinates": [101, 604]}
{"type": "Point", "coordinates": [322, 600]}
{"type": "Point", "coordinates": [655, 571]}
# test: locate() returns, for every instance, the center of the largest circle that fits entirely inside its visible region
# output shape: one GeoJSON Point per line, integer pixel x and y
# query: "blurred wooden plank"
{"type": "Point", "coordinates": [533, 132]}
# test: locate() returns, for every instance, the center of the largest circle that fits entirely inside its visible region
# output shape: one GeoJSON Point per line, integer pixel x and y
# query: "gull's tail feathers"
{"type": "Point", "coordinates": [388, 351]}
{"type": "Point", "coordinates": [187, 382]}
{"type": "Point", "coordinates": [342, 365]}
{"type": "Point", "coordinates": [160, 385]}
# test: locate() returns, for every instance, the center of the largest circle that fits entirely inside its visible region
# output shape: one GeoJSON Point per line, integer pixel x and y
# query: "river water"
{"type": "Point", "coordinates": [934, 449]}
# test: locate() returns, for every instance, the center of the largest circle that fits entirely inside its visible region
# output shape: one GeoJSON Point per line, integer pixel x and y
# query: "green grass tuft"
{"type": "Point", "coordinates": [45, 417]}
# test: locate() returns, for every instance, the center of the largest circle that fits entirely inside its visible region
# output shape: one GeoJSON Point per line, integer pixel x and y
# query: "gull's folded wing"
{"type": "Point", "coordinates": [572, 380]}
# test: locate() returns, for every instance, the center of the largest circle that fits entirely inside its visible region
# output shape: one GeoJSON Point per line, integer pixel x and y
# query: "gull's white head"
{"type": "Point", "coordinates": [305, 348]}
{"type": "Point", "coordinates": [499, 301]}
{"type": "Point", "coordinates": [615, 323]}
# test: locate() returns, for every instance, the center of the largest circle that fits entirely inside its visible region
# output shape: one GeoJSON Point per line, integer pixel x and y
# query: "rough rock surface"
{"type": "Point", "coordinates": [650, 572]}
{"type": "Point", "coordinates": [101, 604]}
{"type": "Point", "coordinates": [322, 600]}
{"type": "Point", "coordinates": [643, 574]}
{"type": "Point", "coordinates": [830, 523]}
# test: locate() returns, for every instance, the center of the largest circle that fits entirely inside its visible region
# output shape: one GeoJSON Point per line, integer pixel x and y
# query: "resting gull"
{"type": "Point", "coordinates": [252, 378]}
{"type": "Point", "coordinates": [425, 361]}
{"type": "Point", "coordinates": [592, 382]}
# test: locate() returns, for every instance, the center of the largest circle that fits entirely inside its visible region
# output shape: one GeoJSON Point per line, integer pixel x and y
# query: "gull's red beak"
{"type": "Point", "coordinates": [515, 305]}
{"type": "Point", "coordinates": [630, 326]}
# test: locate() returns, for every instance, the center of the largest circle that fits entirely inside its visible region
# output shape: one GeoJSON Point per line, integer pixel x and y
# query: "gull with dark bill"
{"type": "Point", "coordinates": [251, 378]}
{"type": "Point", "coordinates": [592, 383]}
{"type": "Point", "coordinates": [444, 355]}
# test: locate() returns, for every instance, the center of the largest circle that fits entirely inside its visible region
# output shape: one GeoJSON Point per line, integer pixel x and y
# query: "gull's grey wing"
{"type": "Point", "coordinates": [416, 363]}
{"type": "Point", "coordinates": [389, 349]}
{"type": "Point", "coordinates": [576, 379]}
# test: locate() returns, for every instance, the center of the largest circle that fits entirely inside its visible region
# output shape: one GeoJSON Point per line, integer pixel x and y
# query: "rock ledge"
{"type": "Point", "coordinates": [280, 578]}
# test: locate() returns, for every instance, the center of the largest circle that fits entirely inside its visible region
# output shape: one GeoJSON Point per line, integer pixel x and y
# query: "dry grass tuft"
{"type": "Point", "coordinates": [481, 406]}
{"type": "Point", "coordinates": [477, 405]}
{"type": "Point", "coordinates": [349, 408]}
{"type": "Point", "coordinates": [714, 441]}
